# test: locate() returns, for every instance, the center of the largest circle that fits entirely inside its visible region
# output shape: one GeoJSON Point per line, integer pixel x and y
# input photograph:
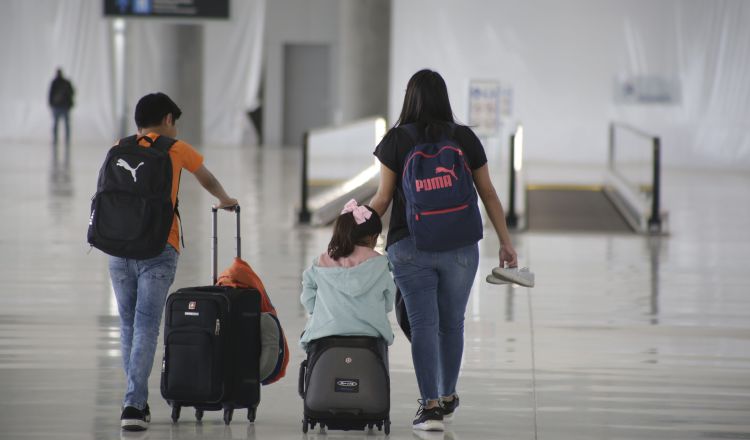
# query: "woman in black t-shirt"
{"type": "Point", "coordinates": [435, 284]}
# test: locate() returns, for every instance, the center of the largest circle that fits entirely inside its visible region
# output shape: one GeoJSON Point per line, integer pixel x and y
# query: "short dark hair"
{"type": "Point", "coordinates": [347, 233]}
{"type": "Point", "coordinates": [152, 108]}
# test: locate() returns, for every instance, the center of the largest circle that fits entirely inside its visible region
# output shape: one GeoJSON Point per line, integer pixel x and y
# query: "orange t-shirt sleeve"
{"type": "Point", "coordinates": [186, 156]}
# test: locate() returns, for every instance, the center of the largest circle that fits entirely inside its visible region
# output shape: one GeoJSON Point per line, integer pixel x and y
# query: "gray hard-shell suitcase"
{"type": "Point", "coordinates": [212, 347]}
{"type": "Point", "coordinates": [345, 385]}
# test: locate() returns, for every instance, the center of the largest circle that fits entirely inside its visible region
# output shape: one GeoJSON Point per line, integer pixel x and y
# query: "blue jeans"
{"type": "Point", "coordinates": [57, 114]}
{"type": "Point", "coordinates": [435, 287]}
{"type": "Point", "coordinates": [141, 288]}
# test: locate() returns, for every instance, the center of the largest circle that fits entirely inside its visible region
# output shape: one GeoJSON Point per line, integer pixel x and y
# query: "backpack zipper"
{"type": "Point", "coordinates": [218, 327]}
{"type": "Point", "coordinates": [442, 211]}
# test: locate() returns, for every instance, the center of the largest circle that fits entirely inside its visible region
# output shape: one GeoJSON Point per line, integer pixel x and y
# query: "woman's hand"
{"type": "Point", "coordinates": [508, 256]}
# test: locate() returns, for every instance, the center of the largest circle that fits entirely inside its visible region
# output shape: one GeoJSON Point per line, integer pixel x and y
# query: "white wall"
{"type": "Point", "coordinates": [357, 32]}
{"type": "Point", "coordinates": [364, 42]}
{"type": "Point", "coordinates": [561, 59]}
{"type": "Point", "coordinates": [293, 21]}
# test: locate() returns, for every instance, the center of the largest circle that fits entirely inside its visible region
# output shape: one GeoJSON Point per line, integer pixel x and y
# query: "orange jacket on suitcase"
{"type": "Point", "coordinates": [241, 275]}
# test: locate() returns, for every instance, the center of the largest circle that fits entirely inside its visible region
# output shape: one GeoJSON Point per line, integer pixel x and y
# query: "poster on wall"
{"type": "Point", "coordinates": [489, 105]}
{"type": "Point", "coordinates": [646, 89]}
{"type": "Point", "coordinates": [167, 8]}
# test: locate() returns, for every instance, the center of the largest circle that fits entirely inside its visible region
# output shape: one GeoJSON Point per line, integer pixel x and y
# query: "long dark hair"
{"type": "Point", "coordinates": [426, 103]}
{"type": "Point", "coordinates": [347, 233]}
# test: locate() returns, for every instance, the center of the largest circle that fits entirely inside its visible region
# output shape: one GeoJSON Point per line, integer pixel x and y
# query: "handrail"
{"type": "Point", "coordinates": [654, 220]}
{"type": "Point", "coordinates": [308, 207]}
{"type": "Point", "coordinates": [304, 212]}
{"type": "Point", "coordinates": [635, 130]}
{"type": "Point", "coordinates": [511, 218]}
{"type": "Point", "coordinates": [515, 162]}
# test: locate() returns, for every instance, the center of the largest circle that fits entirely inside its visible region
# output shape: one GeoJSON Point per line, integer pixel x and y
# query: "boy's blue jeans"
{"type": "Point", "coordinates": [435, 287]}
{"type": "Point", "coordinates": [141, 288]}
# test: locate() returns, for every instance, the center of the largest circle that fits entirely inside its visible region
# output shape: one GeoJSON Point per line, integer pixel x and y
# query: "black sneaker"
{"type": "Point", "coordinates": [428, 419]}
{"type": "Point", "coordinates": [134, 419]}
{"type": "Point", "coordinates": [449, 408]}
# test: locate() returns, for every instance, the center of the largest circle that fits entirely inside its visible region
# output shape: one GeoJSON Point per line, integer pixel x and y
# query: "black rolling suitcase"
{"type": "Point", "coordinates": [345, 385]}
{"type": "Point", "coordinates": [212, 347]}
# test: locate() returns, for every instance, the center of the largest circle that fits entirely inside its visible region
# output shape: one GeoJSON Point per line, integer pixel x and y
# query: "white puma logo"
{"type": "Point", "coordinates": [122, 163]}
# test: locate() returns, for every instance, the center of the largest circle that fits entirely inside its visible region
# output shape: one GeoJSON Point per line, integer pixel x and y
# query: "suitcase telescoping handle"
{"type": "Point", "coordinates": [215, 241]}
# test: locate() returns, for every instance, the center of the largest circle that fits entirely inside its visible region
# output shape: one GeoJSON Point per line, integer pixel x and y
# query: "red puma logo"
{"type": "Point", "coordinates": [433, 183]}
{"type": "Point", "coordinates": [446, 170]}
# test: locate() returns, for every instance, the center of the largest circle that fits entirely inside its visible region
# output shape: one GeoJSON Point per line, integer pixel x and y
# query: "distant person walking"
{"type": "Point", "coordinates": [430, 167]}
{"type": "Point", "coordinates": [60, 100]}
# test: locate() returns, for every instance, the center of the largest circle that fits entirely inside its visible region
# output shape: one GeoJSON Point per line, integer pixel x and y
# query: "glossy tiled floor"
{"type": "Point", "coordinates": [633, 338]}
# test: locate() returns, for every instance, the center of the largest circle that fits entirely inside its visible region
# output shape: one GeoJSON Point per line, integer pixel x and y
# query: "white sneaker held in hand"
{"type": "Point", "coordinates": [521, 276]}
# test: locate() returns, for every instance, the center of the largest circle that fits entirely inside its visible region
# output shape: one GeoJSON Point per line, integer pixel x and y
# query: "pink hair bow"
{"type": "Point", "coordinates": [361, 213]}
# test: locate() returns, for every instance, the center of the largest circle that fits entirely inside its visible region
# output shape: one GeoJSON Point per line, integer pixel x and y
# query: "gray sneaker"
{"type": "Point", "coordinates": [492, 279]}
{"type": "Point", "coordinates": [515, 275]}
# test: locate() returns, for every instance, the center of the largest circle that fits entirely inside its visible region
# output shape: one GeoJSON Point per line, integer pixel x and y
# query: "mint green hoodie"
{"type": "Point", "coordinates": [349, 301]}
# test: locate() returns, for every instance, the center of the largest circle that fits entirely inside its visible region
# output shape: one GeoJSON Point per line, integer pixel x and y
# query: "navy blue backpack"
{"type": "Point", "coordinates": [441, 202]}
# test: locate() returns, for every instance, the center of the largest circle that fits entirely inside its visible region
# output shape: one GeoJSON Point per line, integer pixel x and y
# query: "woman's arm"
{"type": "Point", "coordinates": [384, 195]}
{"type": "Point", "coordinates": [497, 216]}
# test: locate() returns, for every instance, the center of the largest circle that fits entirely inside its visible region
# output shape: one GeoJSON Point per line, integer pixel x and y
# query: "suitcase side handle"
{"type": "Point", "coordinates": [301, 385]}
{"type": "Point", "coordinates": [215, 240]}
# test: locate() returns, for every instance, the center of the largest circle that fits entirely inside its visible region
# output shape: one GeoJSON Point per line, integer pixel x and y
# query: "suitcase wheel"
{"type": "Point", "coordinates": [175, 413]}
{"type": "Point", "coordinates": [304, 426]}
{"type": "Point", "coordinates": [228, 415]}
{"type": "Point", "coordinates": [251, 414]}
{"type": "Point", "coordinates": [198, 414]}
{"type": "Point", "coordinates": [387, 426]}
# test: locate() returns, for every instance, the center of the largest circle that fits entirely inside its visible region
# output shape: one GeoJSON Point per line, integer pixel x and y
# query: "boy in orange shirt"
{"type": "Point", "coordinates": [141, 286]}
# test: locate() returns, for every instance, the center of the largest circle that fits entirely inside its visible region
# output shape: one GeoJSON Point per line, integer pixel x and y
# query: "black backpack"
{"type": "Point", "coordinates": [132, 211]}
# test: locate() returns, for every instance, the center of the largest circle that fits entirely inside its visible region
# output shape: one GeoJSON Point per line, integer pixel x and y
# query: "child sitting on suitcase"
{"type": "Point", "coordinates": [349, 290]}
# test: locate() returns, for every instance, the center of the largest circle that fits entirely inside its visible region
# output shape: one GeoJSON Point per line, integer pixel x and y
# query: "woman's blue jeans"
{"type": "Point", "coordinates": [435, 287]}
{"type": "Point", "coordinates": [141, 288]}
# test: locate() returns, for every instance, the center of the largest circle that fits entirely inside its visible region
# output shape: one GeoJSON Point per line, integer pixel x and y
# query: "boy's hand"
{"type": "Point", "coordinates": [227, 204]}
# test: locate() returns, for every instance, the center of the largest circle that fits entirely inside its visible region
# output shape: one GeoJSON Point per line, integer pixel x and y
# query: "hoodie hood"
{"type": "Point", "coordinates": [353, 281]}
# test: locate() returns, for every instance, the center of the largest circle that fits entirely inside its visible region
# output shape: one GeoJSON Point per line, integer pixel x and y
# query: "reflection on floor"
{"type": "Point", "coordinates": [633, 338]}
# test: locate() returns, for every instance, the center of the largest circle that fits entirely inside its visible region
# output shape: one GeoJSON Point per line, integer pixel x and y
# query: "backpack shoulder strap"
{"type": "Point", "coordinates": [163, 143]}
{"type": "Point", "coordinates": [128, 141]}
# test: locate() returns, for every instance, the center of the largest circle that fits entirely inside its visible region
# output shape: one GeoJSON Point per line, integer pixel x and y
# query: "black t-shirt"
{"type": "Point", "coordinates": [392, 152]}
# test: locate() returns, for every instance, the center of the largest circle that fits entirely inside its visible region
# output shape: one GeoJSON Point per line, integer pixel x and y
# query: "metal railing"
{"type": "Point", "coordinates": [303, 216]}
{"type": "Point", "coordinates": [654, 221]}
{"type": "Point", "coordinates": [351, 145]}
{"type": "Point", "coordinates": [515, 163]}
